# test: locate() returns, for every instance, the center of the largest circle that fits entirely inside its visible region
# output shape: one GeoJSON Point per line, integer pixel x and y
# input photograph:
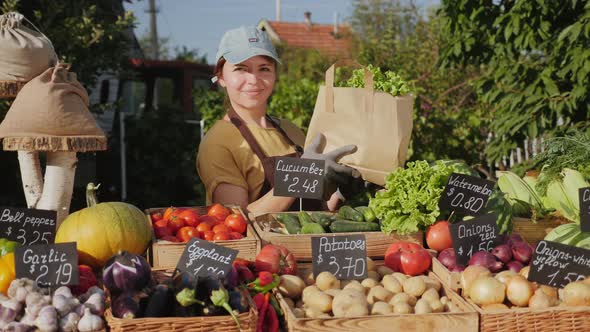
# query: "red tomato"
{"type": "Point", "coordinates": [236, 235]}
{"type": "Point", "coordinates": [208, 235]}
{"type": "Point", "coordinates": [156, 216]}
{"type": "Point", "coordinates": [161, 229]}
{"type": "Point", "coordinates": [407, 257]}
{"type": "Point", "coordinates": [190, 217]}
{"type": "Point", "coordinates": [438, 236]}
{"type": "Point", "coordinates": [218, 211]}
{"type": "Point", "coordinates": [276, 259]}
{"type": "Point", "coordinates": [221, 228]}
{"type": "Point", "coordinates": [175, 224]}
{"type": "Point", "coordinates": [168, 212]}
{"type": "Point", "coordinates": [204, 226]}
{"type": "Point", "coordinates": [186, 233]}
{"type": "Point", "coordinates": [211, 220]}
{"type": "Point", "coordinates": [236, 223]}
{"type": "Point", "coordinates": [221, 236]}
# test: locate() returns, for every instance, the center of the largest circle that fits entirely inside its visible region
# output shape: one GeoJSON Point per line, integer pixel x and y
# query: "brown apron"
{"type": "Point", "coordinates": [268, 163]}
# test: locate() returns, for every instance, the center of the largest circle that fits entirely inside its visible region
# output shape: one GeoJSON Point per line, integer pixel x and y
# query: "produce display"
{"type": "Point", "coordinates": [347, 219]}
{"type": "Point", "coordinates": [30, 307]}
{"type": "Point", "coordinates": [176, 224]}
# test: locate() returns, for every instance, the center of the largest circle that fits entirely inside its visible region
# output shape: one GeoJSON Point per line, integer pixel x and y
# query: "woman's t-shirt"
{"type": "Point", "coordinates": [224, 156]}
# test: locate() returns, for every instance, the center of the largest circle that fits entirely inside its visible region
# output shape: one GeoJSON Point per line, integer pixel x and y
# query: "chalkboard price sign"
{"type": "Point", "coordinates": [345, 256]}
{"type": "Point", "coordinates": [27, 226]}
{"type": "Point", "coordinates": [302, 178]}
{"type": "Point", "coordinates": [584, 209]}
{"type": "Point", "coordinates": [557, 264]}
{"type": "Point", "coordinates": [202, 258]}
{"type": "Point", "coordinates": [478, 234]}
{"type": "Point", "coordinates": [465, 194]}
{"type": "Point", "coordinates": [48, 264]}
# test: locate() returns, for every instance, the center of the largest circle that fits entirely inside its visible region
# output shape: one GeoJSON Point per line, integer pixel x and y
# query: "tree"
{"type": "Point", "coordinates": [535, 58]}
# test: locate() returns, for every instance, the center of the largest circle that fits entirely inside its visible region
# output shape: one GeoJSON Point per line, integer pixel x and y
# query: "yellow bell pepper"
{"type": "Point", "coordinates": [7, 272]}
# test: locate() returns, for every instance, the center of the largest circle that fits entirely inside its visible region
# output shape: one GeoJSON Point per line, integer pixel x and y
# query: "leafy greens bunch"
{"type": "Point", "coordinates": [387, 81]}
{"type": "Point", "coordinates": [409, 202]}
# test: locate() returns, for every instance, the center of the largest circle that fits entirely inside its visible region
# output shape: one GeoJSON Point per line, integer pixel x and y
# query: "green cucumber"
{"type": "Point", "coordinates": [343, 226]}
{"type": "Point", "coordinates": [321, 218]}
{"type": "Point", "coordinates": [367, 212]}
{"type": "Point", "coordinates": [348, 213]}
{"type": "Point", "coordinates": [305, 218]}
{"type": "Point", "coordinates": [312, 228]}
{"type": "Point", "coordinates": [291, 223]}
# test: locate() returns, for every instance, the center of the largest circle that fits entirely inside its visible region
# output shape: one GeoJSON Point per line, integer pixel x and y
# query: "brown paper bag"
{"type": "Point", "coordinates": [378, 123]}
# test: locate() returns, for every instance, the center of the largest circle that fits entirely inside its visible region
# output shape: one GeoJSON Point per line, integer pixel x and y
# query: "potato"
{"type": "Point", "coordinates": [309, 279]}
{"type": "Point", "coordinates": [350, 303]}
{"type": "Point", "coordinates": [422, 307]}
{"type": "Point", "coordinates": [431, 283]}
{"type": "Point", "coordinates": [314, 313]}
{"type": "Point", "coordinates": [381, 308]}
{"type": "Point", "coordinates": [327, 280]}
{"type": "Point", "coordinates": [332, 292]}
{"type": "Point", "coordinates": [371, 266]}
{"type": "Point", "coordinates": [299, 313]}
{"type": "Point", "coordinates": [374, 275]}
{"type": "Point", "coordinates": [369, 283]}
{"type": "Point", "coordinates": [344, 283]}
{"type": "Point", "coordinates": [307, 291]}
{"type": "Point", "coordinates": [391, 284]}
{"type": "Point", "coordinates": [431, 295]}
{"type": "Point", "coordinates": [436, 306]}
{"type": "Point", "coordinates": [354, 284]}
{"type": "Point", "coordinates": [384, 270]}
{"type": "Point", "coordinates": [414, 286]}
{"type": "Point", "coordinates": [400, 277]}
{"type": "Point", "coordinates": [289, 302]}
{"type": "Point", "coordinates": [402, 308]}
{"type": "Point", "coordinates": [319, 301]}
{"type": "Point", "coordinates": [291, 286]}
{"type": "Point", "coordinates": [403, 297]}
{"type": "Point", "coordinates": [378, 293]}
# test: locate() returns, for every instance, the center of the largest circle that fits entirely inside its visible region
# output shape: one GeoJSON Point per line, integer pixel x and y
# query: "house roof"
{"type": "Point", "coordinates": [315, 36]}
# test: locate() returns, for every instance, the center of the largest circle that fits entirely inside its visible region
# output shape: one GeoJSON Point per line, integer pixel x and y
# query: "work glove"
{"type": "Point", "coordinates": [335, 173]}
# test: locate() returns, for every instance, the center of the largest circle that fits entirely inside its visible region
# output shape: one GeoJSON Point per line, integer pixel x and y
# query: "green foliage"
{"type": "Point", "coordinates": [448, 122]}
{"type": "Point", "coordinates": [210, 105]}
{"type": "Point", "coordinates": [535, 61]}
{"type": "Point", "coordinates": [294, 100]}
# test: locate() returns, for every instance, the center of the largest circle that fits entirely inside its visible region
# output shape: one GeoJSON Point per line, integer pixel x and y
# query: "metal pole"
{"type": "Point", "coordinates": [123, 157]}
{"type": "Point", "coordinates": [278, 10]}
{"type": "Point", "coordinates": [154, 30]}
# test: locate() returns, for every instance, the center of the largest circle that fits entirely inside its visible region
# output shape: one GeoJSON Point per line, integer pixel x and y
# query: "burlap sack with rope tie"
{"type": "Point", "coordinates": [53, 104]}
{"type": "Point", "coordinates": [24, 52]}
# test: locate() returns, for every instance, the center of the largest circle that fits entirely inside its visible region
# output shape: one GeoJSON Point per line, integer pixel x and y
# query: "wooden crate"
{"type": "Point", "coordinates": [165, 254]}
{"type": "Point", "coordinates": [554, 319]}
{"type": "Point", "coordinates": [449, 279]}
{"type": "Point", "coordinates": [248, 319]}
{"type": "Point", "coordinates": [300, 244]}
{"type": "Point", "coordinates": [534, 232]}
{"type": "Point", "coordinates": [467, 320]}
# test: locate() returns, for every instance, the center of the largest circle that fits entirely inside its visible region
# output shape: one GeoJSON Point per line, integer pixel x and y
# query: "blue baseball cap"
{"type": "Point", "coordinates": [240, 44]}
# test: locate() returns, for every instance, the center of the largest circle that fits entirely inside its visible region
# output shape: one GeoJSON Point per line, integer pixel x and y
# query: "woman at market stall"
{"type": "Point", "coordinates": [237, 155]}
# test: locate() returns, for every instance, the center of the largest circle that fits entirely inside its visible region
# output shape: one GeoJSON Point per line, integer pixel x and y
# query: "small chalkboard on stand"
{"type": "Point", "coordinates": [465, 194]}
{"type": "Point", "coordinates": [470, 236]}
{"type": "Point", "coordinates": [345, 256]}
{"type": "Point", "coordinates": [27, 226]}
{"type": "Point", "coordinates": [557, 264]}
{"type": "Point", "coordinates": [584, 194]}
{"type": "Point", "coordinates": [297, 177]}
{"type": "Point", "coordinates": [202, 258]}
{"type": "Point", "coordinates": [48, 264]}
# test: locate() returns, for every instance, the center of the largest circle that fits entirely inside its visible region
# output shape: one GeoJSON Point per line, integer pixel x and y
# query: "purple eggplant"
{"type": "Point", "coordinates": [128, 305]}
{"type": "Point", "coordinates": [126, 272]}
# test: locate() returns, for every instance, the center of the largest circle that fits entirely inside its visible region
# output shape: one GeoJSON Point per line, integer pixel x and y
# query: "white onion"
{"type": "Point", "coordinates": [471, 273]}
{"type": "Point", "coordinates": [576, 294]}
{"type": "Point", "coordinates": [487, 290]}
{"type": "Point", "coordinates": [519, 291]}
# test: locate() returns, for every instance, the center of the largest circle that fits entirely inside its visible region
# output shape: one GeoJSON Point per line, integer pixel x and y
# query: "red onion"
{"type": "Point", "coordinates": [514, 238]}
{"type": "Point", "coordinates": [503, 253]}
{"type": "Point", "coordinates": [514, 266]}
{"type": "Point", "coordinates": [522, 252]}
{"type": "Point", "coordinates": [487, 260]}
{"type": "Point", "coordinates": [447, 258]}
{"type": "Point", "coordinates": [458, 268]}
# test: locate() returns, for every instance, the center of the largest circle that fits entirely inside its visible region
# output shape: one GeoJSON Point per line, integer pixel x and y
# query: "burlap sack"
{"type": "Point", "coordinates": [52, 104]}
{"type": "Point", "coordinates": [378, 123]}
{"type": "Point", "coordinates": [24, 53]}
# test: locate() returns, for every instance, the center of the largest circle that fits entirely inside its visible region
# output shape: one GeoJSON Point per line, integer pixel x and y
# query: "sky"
{"type": "Point", "coordinates": [199, 24]}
